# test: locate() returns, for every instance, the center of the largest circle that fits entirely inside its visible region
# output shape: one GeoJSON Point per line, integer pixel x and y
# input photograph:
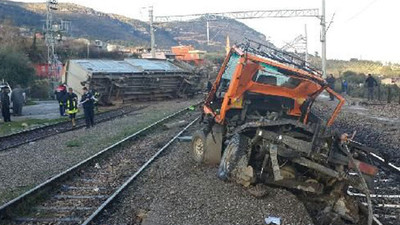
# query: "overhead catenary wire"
{"type": "Point", "coordinates": [361, 11]}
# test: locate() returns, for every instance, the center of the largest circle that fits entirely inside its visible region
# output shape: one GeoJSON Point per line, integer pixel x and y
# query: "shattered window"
{"type": "Point", "coordinates": [270, 75]}
{"type": "Point", "coordinates": [231, 66]}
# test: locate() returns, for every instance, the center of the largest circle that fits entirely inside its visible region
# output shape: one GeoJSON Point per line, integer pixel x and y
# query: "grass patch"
{"type": "Point", "coordinates": [8, 195]}
{"type": "Point", "coordinates": [18, 126]}
{"type": "Point", "coordinates": [74, 143]}
{"type": "Point", "coordinates": [30, 102]}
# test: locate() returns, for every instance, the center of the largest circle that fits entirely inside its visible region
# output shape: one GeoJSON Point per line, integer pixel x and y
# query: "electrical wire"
{"type": "Point", "coordinates": [361, 11]}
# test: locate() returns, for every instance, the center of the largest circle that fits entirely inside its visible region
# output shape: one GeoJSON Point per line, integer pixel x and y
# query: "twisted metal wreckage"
{"type": "Point", "coordinates": [259, 126]}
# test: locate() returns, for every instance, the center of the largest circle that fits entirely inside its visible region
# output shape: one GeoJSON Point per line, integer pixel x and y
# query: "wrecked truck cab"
{"type": "Point", "coordinates": [258, 127]}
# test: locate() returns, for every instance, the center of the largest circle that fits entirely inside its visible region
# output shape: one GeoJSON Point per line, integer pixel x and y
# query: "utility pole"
{"type": "Point", "coordinates": [208, 32]}
{"type": "Point", "coordinates": [88, 49]}
{"type": "Point", "coordinates": [306, 44]}
{"type": "Point", "coordinates": [323, 40]}
{"type": "Point", "coordinates": [50, 30]}
{"type": "Point", "coordinates": [152, 38]}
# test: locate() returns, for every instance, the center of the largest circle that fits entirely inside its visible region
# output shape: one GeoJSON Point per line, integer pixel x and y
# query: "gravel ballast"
{"type": "Point", "coordinates": [176, 190]}
{"type": "Point", "coordinates": [28, 165]}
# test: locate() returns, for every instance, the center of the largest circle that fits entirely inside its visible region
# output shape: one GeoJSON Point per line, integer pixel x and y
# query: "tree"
{"type": "Point", "coordinates": [15, 67]}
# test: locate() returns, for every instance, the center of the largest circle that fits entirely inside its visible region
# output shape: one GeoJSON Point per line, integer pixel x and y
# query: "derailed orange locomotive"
{"type": "Point", "coordinates": [259, 126]}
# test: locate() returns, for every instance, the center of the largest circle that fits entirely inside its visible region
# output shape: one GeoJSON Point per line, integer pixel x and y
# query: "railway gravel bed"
{"type": "Point", "coordinates": [378, 127]}
{"type": "Point", "coordinates": [76, 199]}
{"type": "Point", "coordinates": [28, 165]}
{"type": "Point", "coordinates": [176, 190]}
{"type": "Point", "coordinates": [17, 139]}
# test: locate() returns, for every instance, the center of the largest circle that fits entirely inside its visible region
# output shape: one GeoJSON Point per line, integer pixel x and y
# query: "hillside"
{"type": "Point", "coordinates": [90, 23]}
{"type": "Point", "coordinates": [337, 67]}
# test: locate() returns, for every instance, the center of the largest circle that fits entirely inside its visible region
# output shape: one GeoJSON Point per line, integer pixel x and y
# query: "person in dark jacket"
{"type": "Point", "coordinates": [345, 87]}
{"type": "Point", "coordinates": [18, 100]}
{"type": "Point", "coordinates": [5, 104]}
{"type": "Point", "coordinates": [61, 96]}
{"type": "Point", "coordinates": [72, 105]}
{"type": "Point", "coordinates": [371, 83]}
{"type": "Point", "coordinates": [331, 83]}
{"type": "Point", "coordinates": [87, 101]}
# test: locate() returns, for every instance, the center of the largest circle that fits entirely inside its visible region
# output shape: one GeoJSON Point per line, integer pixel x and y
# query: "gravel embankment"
{"type": "Point", "coordinates": [105, 175]}
{"type": "Point", "coordinates": [28, 165]}
{"type": "Point", "coordinates": [175, 190]}
{"type": "Point", "coordinates": [377, 126]}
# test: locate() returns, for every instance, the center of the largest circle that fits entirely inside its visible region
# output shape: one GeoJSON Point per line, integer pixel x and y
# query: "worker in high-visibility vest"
{"type": "Point", "coordinates": [72, 105]}
{"type": "Point", "coordinates": [96, 95]}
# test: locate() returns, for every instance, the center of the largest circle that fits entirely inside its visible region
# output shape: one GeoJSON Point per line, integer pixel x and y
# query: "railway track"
{"type": "Point", "coordinates": [386, 194]}
{"type": "Point", "coordinates": [79, 194]}
{"type": "Point", "coordinates": [24, 137]}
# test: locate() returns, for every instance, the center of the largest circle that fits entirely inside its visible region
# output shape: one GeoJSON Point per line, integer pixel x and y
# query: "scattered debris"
{"type": "Point", "coordinates": [259, 190]}
{"type": "Point", "coordinates": [179, 123]}
{"type": "Point", "coordinates": [273, 220]}
{"type": "Point", "coordinates": [185, 138]}
{"type": "Point", "coordinates": [141, 215]}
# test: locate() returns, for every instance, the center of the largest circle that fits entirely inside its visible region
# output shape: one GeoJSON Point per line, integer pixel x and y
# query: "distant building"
{"type": "Point", "coordinates": [42, 70]}
{"type": "Point", "coordinates": [189, 54]}
{"type": "Point", "coordinates": [112, 48]}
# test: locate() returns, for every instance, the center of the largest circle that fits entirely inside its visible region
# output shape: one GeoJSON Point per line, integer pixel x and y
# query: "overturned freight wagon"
{"type": "Point", "coordinates": [132, 79]}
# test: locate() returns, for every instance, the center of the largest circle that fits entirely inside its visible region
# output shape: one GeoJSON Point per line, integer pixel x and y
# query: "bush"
{"type": "Point", "coordinates": [357, 87]}
{"type": "Point", "coordinates": [40, 89]}
{"type": "Point", "coordinates": [15, 67]}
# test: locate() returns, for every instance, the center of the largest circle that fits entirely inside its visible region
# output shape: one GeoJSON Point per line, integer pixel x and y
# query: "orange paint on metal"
{"type": "Point", "coordinates": [364, 168]}
{"type": "Point", "coordinates": [310, 86]}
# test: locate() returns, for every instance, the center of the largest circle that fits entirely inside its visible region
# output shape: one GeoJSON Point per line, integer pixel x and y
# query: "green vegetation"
{"type": "Point", "coordinates": [362, 67]}
{"type": "Point", "coordinates": [15, 67]}
{"type": "Point", "coordinates": [30, 102]}
{"type": "Point", "coordinates": [7, 195]}
{"type": "Point", "coordinates": [356, 86]}
{"type": "Point", "coordinates": [17, 126]}
{"type": "Point", "coordinates": [74, 143]}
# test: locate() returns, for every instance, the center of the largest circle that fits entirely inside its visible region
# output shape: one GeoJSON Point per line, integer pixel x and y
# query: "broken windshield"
{"type": "Point", "coordinates": [231, 66]}
{"type": "Point", "coordinates": [271, 76]}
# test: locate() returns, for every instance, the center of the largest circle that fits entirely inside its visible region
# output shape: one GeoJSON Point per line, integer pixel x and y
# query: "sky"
{"type": "Point", "coordinates": [363, 29]}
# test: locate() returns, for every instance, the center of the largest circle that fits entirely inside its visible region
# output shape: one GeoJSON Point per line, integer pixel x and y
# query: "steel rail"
{"type": "Point", "coordinates": [391, 165]}
{"type": "Point", "coordinates": [130, 179]}
{"type": "Point", "coordinates": [63, 175]}
{"type": "Point", "coordinates": [62, 123]}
